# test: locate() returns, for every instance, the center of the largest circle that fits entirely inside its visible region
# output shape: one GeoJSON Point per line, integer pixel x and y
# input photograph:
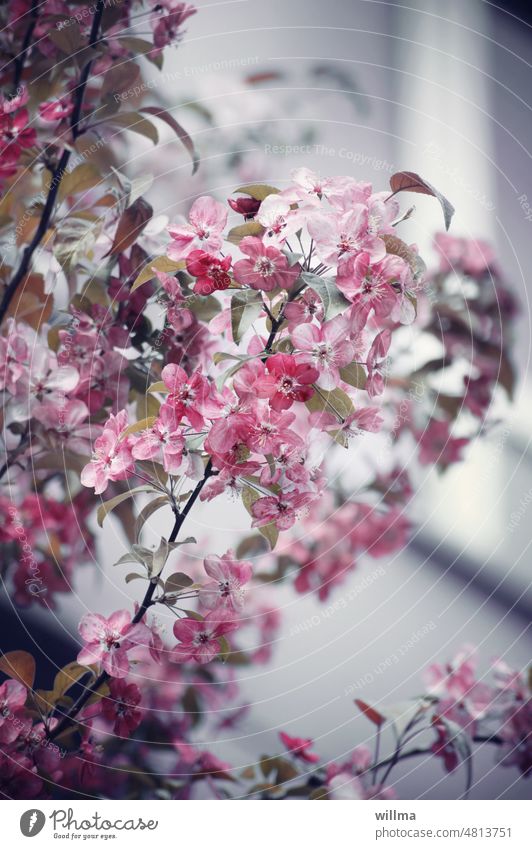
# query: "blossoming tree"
{"type": "Point", "coordinates": [231, 356]}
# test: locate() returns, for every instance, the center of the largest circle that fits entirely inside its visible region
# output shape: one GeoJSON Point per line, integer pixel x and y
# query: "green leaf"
{"type": "Point", "coordinates": [250, 228]}
{"type": "Point", "coordinates": [80, 179]}
{"type": "Point", "coordinates": [408, 181]}
{"type": "Point", "coordinates": [337, 401]}
{"type": "Point", "coordinates": [133, 576]}
{"type": "Point", "coordinates": [180, 132]}
{"type": "Point", "coordinates": [109, 506]}
{"type": "Point", "coordinates": [143, 424]}
{"type": "Point", "coordinates": [130, 225]}
{"type": "Point", "coordinates": [158, 386]}
{"type": "Point", "coordinates": [130, 557]}
{"type": "Point", "coordinates": [141, 47]}
{"type": "Point", "coordinates": [245, 309]}
{"type": "Point", "coordinates": [135, 122]}
{"type": "Point", "coordinates": [257, 191]}
{"type": "Point", "coordinates": [332, 299]}
{"type": "Point", "coordinates": [159, 558]}
{"type": "Point", "coordinates": [119, 78]}
{"type": "Point", "coordinates": [354, 374]}
{"type": "Point", "coordinates": [177, 582]}
{"type": "Point", "coordinates": [160, 263]}
{"type": "Point", "coordinates": [149, 510]}
{"type": "Point", "coordinates": [19, 665]}
{"type": "Point", "coordinates": [225, 648]}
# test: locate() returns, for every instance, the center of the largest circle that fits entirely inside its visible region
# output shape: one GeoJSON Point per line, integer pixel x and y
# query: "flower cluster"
{"type": "Point", "coordinates": [232, 353]}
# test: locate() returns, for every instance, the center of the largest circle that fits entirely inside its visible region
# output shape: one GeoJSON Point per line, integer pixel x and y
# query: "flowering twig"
{"type": "Point", "coordinates": [58, 173]}
{"type": "Point", "coordinates": [146, 603]}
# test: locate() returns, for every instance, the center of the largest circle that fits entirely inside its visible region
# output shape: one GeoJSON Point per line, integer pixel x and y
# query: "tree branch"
{"type": "Point", "coordinates": [58, 173]}
{"type": "Point", "coordinates": [146, 603]}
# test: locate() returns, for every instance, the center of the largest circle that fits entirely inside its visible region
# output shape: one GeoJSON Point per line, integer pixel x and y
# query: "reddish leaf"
{"type": "Point", "coordinates": [19, 665]}
{"type": "Point", "coordinates": [132, 222]}
{"type": "Point", "coordinates": [372, 714]}
{"type": "Point", "coordinates": [408, 181]}
{"type": "Point", "coordinates": [180, 132]}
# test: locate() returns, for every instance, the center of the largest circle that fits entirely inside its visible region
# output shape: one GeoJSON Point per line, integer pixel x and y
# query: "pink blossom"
{"type": "Point", "coordinates": [272, 432]}
{"type": "Point", "coordinates": [12, 699]}
{"type": "Point", "coordinates": [326, 348]}
{"type": "Point", "coordinates": [472, 256]}
{"type": "Point", "coordinates": [109, 640]}
{"type": "Point", "coordinates": [278, 220]}
{"type": "Point", "coordinates": [18, 777]}
{"type": "Point", "coordinates": [454, 679]}
{"type": "Point", "coordinates": [305, 309]}
{"type": "Point", "coordinates": [287, 381]}
{"type": "Point", "coordinates": [163, 441]}
{"type": "Point", "coordinates": [340, 235]}
{"type": "Point", "coordinates": [369, 286]}
{"type": "Point", "coordinates": [267, 268]}
{"type": "Point", "coordinates": [376, 363]}
{"type": "Point", "coordinates": [248, 207]}
{"type": "Point", "coordinates": [436, 445]}
{"type": "Point", "coordinates": [200, 640]}
{"type": "Point", "coordinates": [190, 397]}
{"type": "Point", "coordinates": [280, 510]}
{"type": "Point", "coordinates": [56, 110]}
{"type": "Point", "coordinates": [207, 219]}
{"type": "Point", "coordinates": [167, 28]}
{"type": "Point", "coordinates": [229, 575]}
{"type": "Point", "coordinates": [299, 747]}
{"type": "Point", "coordinates": [211, 273]}
{"type": "Point", "coordinates": [121, 707]}
{"type": "Point", "coordinates": [112, 459]}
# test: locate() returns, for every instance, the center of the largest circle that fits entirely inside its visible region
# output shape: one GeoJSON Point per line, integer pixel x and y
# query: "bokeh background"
{"type": "Point", "coordinates": [366, 88]}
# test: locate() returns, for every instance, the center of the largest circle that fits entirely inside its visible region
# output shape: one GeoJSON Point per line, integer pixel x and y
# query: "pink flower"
{"type": "Point", "coordinates": [167, 27]}
{"type": "Point", "coordinates": [121, 707]}
{"type": "Point", "coordinates": [279, 221]}
{"type": "Point", "coordinates": [18, 777]}
{"type": "Point", "coordinates": [270, 431]}
{"type": "Point", "coordinates": [369, 286]}
{"type": "Point", "coordinates": [109, 640]}
{"type": "Point", "coordinates": [340, 235]}
{"type": "Point", "coordinates": [280, 510]}
{"type": "Point", "coordinates": [326, 348]}
{"type": "Point", "coordinates": [287, 381]}
{"type": "Point", "coordinates": [454, 679]}
{"type": "Point", "coordinates": [305, 309]}
{"type": "Point", "coordinates": [472, 256]}
{"type": "Point", "coordinates": [211, 273]}
{"type": "Point", "coordinates": [15, 134]}
{"type": "Point", "coordinates": [190, 397]}
{"type": "Point", "coordinates": [266, 269]}
{"type": "Point", "coordinates": [376, 363]}
{"type": "Point", "coordinates": [207, 219]}
{"type": "Point", "coordinates": [56, 110]}
{"type": "Point", "coordinates": [112, 459]}
{"type": "Point", "coordinates": [299, 747]}
{"type": "Point", "coordinates": [200, 640]}
{"type": "Point", "coordinates": [12, 699]}
{"type": "Point", "coordinates": [229, 575]}
{"type": "Point", "coordinates": [248, 207]}
{"type": "Point", "coordinates": [436, 445]}
{"type": "Point", "coordinates": [163, 441]}
{"type": "Point", "coordinates": [366, 419]}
